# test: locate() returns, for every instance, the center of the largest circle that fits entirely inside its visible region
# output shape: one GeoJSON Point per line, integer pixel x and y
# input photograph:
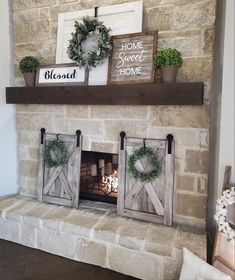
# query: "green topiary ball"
{"type": "Point", "coordinates": [29, 64]}
{"type": "Point", "coordinates": [168, 57]}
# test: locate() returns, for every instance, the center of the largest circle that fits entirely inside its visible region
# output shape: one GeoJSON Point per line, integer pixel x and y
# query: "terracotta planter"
{"type": "Point", "coordinates": [29, 79]}
{"type": "Point", "coordinates": [169, 74]}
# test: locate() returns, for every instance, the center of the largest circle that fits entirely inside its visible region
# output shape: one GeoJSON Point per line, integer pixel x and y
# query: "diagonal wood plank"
{"type": "Point", "coordinates": [154, 198]}
{"type": "Point", "coordinates": [56, 172]}
{"type": "Point", "coordinates": [133, 194]}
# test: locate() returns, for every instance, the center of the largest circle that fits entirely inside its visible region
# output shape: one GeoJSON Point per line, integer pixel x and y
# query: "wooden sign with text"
{"type": "Point", "coordinates": [60, 74]}
{"type": "Point", "coordinates": [132, 59]}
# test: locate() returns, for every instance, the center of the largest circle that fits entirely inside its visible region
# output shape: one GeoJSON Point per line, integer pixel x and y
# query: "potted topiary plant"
{"type": "Point", "coordinates": [28, 67]}
{"type": "Point", "coordinates": [168, 60]}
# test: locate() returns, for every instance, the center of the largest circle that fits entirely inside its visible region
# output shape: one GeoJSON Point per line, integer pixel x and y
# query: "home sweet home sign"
{"type": "Point", "coordinates": [132, 59]}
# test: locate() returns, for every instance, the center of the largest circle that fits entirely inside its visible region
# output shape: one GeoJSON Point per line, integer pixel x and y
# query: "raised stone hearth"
{"type": "Point", "coordinates": [95, 234]}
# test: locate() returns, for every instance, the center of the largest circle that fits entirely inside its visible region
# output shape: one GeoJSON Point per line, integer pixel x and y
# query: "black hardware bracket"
{"type": "Point", "coordinates": [96, 12]}
{"type": "Point", "coordinates": [169, 139]}
{"type": "Point", "coordinates": [122, 135]}
{"type": "Point", "coordinates": [78, 133]}
{"type": "Point", "coordinates": [43, 130]}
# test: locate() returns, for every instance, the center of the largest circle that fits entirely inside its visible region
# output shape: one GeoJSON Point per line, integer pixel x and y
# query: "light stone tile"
{"type": "Point", "coordinates": [32, 31]}
{"type": "Point", "coordinates": [25, 49]}
{"type": "Point", "coordinates": [196, 161]}
{"type": "Point", "coordinates": [28, 168]}
{"type": "Point", "coordinates": [196, 15]}
{"type": "Point", "coordinates": [28, 138]}
{"type": "Point", "coordinates": [136, 264]}
{"type": "Point", "coordinates": [188, 46]}
{"type": "Point", "coordinates": [40, 108]}
{"type": "Point", "coordinates": [91, 252]}
{"type": "Point", "coordinates": [193, 222]}
{"type": "Point", "coordinates": [204, 139]}
{"type": "Point", "coordinates": [182, 136]}
{"type": "Point", "coordinates": [9, 230]}
{"type": "Point", "coordinates": [22, 152]}
{"type": "Point", "coordinates": [53, 219]}
{"type": "Point", "coordinates": [119, 112]}
{"type": "Point", "coordinates": [44, 13]}
{"type": "Point", "coordinates": [56, 243]}
{"type": "Point", "coordinates": [191, 205]}
{"type": "Point", "coordinates": [34, 215]}
{"type": "Point", "coordinates": [108, 229]}
{"type": "Point", "coordinates": [87, 127]}
{"type": "Point", "coordinates": [33, 122]}
{"type": "Point", "coordinates": [160, 240]}
{"type": "Point", "coordinates": [179, 116]}
{"type": "Point", "coordinates": [196, 69]}
{"type": "Point", "coordinates": [26, 16]}
{"type": "Point", "coordinates": [193, 241]}
{"type": "Point", "coordinates": [28, 186]}
{"type": "Point", "coordinates": [208, 41]}
{"type": "Point", "coordinates": [80, 222]}
{"type": "Point", "coordinates": [16, 212]}
{"type": "Point", "coordinates": [33, 153]}
{"type": "Point", "coordinates": [157, 18]}
{"type": "Point", "coordinates": [21, 4]}
{"type": "Point", "coordinates": [132, 129]}
{"type": "Point", "coordinates": [133, 233]}
{"type": "Point", "coordinates": [172, 268]}
{"type": "Point", "coordinates": [185, 182]}
{"type": "Point", "coordinates": [103, 147]}
{"type": "Point", "coordinates": [202, 185]}
{"type": "Point", "coordinates": [8, 203]}
{"type": "Point", "coordinates": [47, 3]}
{"type": "Point", "coordinates": [27, 236]}
{"type": "Point", "coordinates": [76, 112]}
{"type": "Point", "coordinates": [49, 48]}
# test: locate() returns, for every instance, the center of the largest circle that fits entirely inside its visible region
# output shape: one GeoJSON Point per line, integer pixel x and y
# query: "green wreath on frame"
{"type": "Point", "coordinates": [58, 147]}
{"type": "Point", "coordinates": [89, 27]}
{"type": "Point", "coordinates": [144, 176]}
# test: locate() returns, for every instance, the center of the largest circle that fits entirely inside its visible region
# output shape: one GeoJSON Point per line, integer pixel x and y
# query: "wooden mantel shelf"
{"type": "Point", "coordinates": [131, 94]}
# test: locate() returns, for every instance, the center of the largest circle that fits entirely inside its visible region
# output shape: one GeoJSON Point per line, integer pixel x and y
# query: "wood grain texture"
{"type": "Point", "coordinates": [132, 59]}
{"type": "Point", "coordinates": [151, 201]}
{"type": "Point", "coordinates": [60, 185]}
{"type": "Point", "coordinates": [134, 94]}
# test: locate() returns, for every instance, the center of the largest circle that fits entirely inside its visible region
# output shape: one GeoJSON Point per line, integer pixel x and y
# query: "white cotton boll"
{"type": "Point", "coordinates": [221, 220]}
{"type": "Point", "coordinates": [224, 212]}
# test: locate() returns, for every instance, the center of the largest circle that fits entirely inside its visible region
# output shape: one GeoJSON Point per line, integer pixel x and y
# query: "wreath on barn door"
{"type": "Point", "coordinates": [141, 175]}
{"type": "Point", "coordinates": [55, 154]}
{"type": "Point", "coordinates": [227, 198]}
{"type": "Point", "coordinates": [89, 27]}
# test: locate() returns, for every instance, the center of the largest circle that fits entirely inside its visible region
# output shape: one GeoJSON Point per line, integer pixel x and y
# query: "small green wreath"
{"type": "Point", "coordinates": [89, 27]}
{"type": "Point", "coordinates": [58, 147]}
{"type": "Point", "coordinates": [144, 176]}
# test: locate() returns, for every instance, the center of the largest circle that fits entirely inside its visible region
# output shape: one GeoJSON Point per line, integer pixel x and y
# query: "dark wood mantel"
{"type": "Point", "coordinates": [131, 94]}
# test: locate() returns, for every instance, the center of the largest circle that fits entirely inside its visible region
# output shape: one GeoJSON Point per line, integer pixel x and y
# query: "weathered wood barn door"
{"type": "Point", "coordinates": [60, 185]}
{"type": "Point", "coordinates": [146, 200]}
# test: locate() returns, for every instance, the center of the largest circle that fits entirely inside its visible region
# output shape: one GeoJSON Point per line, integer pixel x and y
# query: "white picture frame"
{"type": "Point", "coordinates": [124, 18]}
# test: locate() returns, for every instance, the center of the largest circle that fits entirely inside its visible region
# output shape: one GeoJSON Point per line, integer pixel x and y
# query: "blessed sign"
{"type": "Point", "coordinates": [60, 74]}
{"type": "Point", "coordinates": [132, 60]}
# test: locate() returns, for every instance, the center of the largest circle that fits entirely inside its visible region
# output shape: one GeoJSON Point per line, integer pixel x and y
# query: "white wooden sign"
{"type": "Point", "coordinates": [60, 74]}
{"type": "Point", "coordinates": [122, 19]}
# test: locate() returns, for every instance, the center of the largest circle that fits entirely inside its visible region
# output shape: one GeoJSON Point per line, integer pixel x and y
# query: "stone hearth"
{"type": "Point", "coordinates": [95, 234]}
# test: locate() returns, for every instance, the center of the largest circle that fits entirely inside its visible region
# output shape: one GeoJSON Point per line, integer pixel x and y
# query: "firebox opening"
{"type": "Point", "coordinates": [99, 177]}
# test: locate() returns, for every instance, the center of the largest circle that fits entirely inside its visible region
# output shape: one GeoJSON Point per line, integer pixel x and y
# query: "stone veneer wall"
{"type": "Point", "coordinates": [184, 24]}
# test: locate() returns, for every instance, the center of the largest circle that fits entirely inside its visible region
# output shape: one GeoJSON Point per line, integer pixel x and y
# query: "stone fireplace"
{"type": "Point", "coordinates": [187, 26]}
{"type": "Point", "coordinates": [95, 227]}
